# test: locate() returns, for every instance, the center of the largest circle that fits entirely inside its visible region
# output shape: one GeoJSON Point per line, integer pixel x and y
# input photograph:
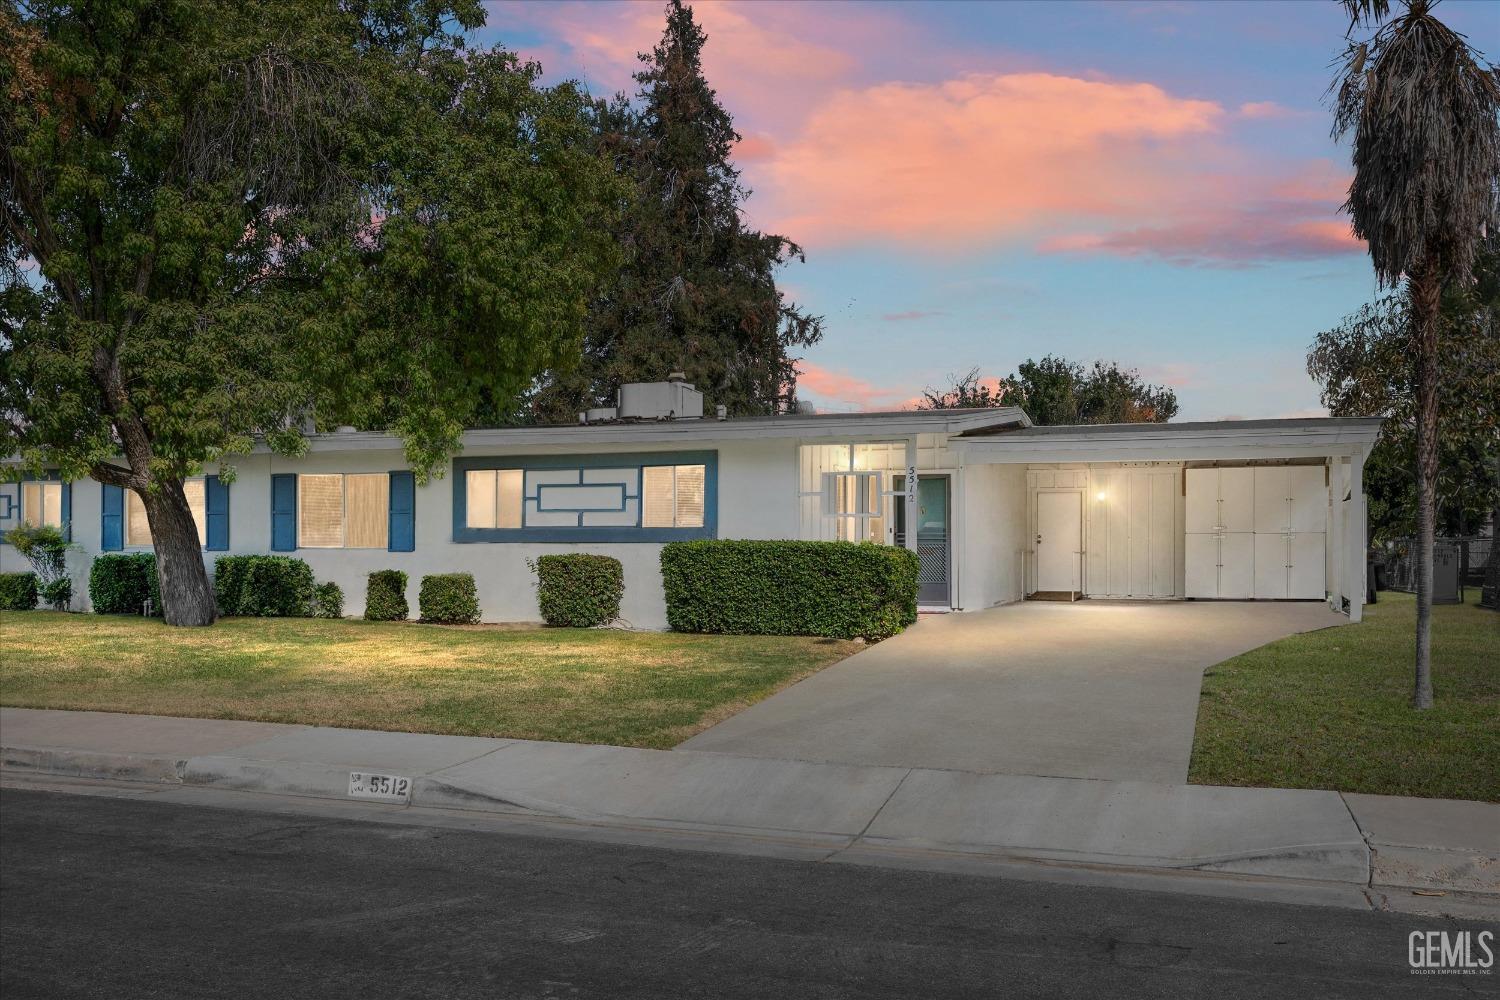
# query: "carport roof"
{"type": "Point", "coordinates": [1302, 437]}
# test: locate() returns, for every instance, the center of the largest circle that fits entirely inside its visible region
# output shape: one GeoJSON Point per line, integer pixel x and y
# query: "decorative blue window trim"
{"type": "Point", "coordinates": [634, 461]}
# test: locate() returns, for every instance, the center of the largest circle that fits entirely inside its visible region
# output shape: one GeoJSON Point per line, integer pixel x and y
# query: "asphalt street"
{"type": "Point", "coordinates": [124, 898]}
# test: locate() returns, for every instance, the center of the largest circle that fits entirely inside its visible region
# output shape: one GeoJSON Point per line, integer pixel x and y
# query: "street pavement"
{"type": "Point", "coordinates": [125, 897]}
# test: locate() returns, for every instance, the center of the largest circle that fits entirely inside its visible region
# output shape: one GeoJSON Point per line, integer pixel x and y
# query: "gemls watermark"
{"type": "Point", "coordinates": [1451, 953]}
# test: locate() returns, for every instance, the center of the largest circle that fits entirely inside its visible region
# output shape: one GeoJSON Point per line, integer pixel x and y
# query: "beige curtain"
{"type": "Point", "coordinates": [690, 496]}
{"type": "Point", "coordinates": [480, 487]}
{"type": "Point", "coordinates": [367, 510]}
{"type": "Point", "coordinates": [658, 509]}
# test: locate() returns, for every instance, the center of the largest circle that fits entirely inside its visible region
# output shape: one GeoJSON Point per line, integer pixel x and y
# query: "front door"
{"type": "Point", "coordinates": [933, 534]}
{"type": "Point", "coordinates": [1059, 542]}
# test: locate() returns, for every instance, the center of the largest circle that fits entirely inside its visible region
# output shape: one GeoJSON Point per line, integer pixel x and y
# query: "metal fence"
{"type": "Point", "coordinates": [1457, 564]}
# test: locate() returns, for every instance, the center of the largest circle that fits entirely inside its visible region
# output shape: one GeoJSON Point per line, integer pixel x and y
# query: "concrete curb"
{"type": "Point", "coordinates": [829, 808]}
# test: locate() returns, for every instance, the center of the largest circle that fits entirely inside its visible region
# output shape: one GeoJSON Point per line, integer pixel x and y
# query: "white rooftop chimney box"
{"type": "Point", "coordinates": [675, 399]}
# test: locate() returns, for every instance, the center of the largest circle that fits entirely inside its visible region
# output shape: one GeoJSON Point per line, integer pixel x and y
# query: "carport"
{"type": "Point", "coordinates": [1236, 510]}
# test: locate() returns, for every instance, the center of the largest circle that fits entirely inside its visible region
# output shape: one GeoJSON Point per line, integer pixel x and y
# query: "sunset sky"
{"type": "Point", "coordinates": [977, 183]}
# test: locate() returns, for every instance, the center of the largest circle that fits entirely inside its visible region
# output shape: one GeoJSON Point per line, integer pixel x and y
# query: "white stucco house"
{"type": "Point", "coordinates": [997, 509]}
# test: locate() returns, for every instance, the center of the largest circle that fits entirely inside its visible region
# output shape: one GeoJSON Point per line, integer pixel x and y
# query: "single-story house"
{"type": "Point", "coordinates": [997, 509]}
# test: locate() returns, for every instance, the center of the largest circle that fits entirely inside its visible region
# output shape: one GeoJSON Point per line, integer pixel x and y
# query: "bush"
{"type": "Point", "coordinates": [58, 593]}
{"type": "Point", "coordinates": [263, 586]}
{"type": "Point", "coordinates": [17, 591]}
{"type": "Point", "coordinates": [579, 591]}
{"type": "Point", "coordinates": [841, 590]}
{"type": "Point", "coordinates": [448, 599]}
{"type": "Point", "coordinates": [121, 584]}
{"type": "Point", "coordinates": [385, 596]}
{"type": "Point", "coordinates": [328, 601]}
{"type": "Point", "coordinates": [44, 546]}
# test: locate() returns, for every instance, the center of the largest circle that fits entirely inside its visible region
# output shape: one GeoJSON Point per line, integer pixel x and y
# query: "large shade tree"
{"type": "Point", "coordinates": [1059, 391]}
{"type": "Point", "coordinates": [696, 290]}
{"type": "Point", "coordinates": [228, 223]}
{"type": "Point", "coordinates": [1420, 106]}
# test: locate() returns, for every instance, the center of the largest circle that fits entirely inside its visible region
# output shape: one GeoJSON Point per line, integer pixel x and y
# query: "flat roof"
{"type": "Point", "coordinates": [1206, 440]}
{"type": "Point", "coordinates": [896, 423]}
{"type": "Point", "coordinates": [1278, 425]}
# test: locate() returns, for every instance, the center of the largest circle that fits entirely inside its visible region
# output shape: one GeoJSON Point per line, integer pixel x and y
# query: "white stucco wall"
{"type": "Point", "coordinates": [993, 543]}
{"type": "Point", "coordinates": [757, 493]}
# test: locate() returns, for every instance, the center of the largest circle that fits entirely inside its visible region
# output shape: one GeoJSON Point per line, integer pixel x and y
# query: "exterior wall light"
{"type": "Point", "coordinates": [1099, 496]}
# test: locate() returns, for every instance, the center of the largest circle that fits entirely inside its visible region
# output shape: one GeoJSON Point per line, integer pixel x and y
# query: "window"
{"type": "Point", "coordinates": [341, 511]}
{"type": "Point", "coordinates": [138, 528]}
{"type": "Point", "coordinates": [672, 496]}
{"type": "Point", "coordinates": [494, 498]}
{"type": "Point", "coordinates": [41, 504]}
{"type": "Point", "coordinates": [855, 499]}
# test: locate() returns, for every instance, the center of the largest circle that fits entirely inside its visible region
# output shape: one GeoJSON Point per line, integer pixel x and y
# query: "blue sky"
{"type": "Point", "coordinates": [978, 183]}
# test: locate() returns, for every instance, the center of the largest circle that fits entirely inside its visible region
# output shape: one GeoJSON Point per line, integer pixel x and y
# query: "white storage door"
{"type": "Point", "coordinates": [1164, 536]}
{"type": "Point", "coordinates": [1202, 556]}
{"type": "Point", "coordinates": [1270, 565]}
{"type": "Point", "coordinates": [1272, 509]}
{"type": "Point", "coordinates": [1308, 491]}
{"type": "Point", "coordinates": [1237, 565]}
{"type": "Point", "coordinates": [1237, 499]}
{"type": "Point", "coordinates": [1202, 500]}
{"type": "Point", "coordinates": [1305, 578]}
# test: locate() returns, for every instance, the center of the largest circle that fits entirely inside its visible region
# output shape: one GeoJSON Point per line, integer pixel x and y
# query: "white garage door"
{"type": "Point", "coordinates": [1134, 539]}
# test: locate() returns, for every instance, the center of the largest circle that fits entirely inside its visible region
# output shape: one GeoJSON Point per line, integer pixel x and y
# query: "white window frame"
{"type": "Point", "coordinates": [343, 511]}
{"type": "Point", "coordinates": [200, 516]}
{"type": "Point", "coordinates": [39, 518]}
{"type": "Point", "coordinates": [676, 495]}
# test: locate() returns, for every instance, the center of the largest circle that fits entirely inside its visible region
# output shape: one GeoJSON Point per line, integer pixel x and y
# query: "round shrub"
{"type": "Point", "coordinates": [579, 591]}
{"type": "Point", "coordinates": [17, 591]}
{"type": "Point", "coordinates": [842, 590]}
{"type": "Point", "coordinates": [263, 586]}
{"type": "Point", "coordinates": [121, 584]}
{"type": "Point", "coordinates": [58, 593]}
{"type": "Point", "coordinates": [448, 599]}
{"type": "Point", "coordinates": [385, 596]}
{"type": "Point", "coordinates": [328, 601]}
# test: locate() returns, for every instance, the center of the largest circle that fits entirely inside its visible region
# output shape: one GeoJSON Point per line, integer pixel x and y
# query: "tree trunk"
{"type": "Point", "coordinates": [186, 596]}
{"type": "Point", "coordinates": [1425, 289]}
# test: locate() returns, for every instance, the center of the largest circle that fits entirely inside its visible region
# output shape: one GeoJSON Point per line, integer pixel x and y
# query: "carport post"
{"type": "Point", "coordinates": [1354, 537]}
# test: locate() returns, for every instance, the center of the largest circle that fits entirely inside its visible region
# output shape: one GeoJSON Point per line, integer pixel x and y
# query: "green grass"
{"type": "Point", "coordinates": [642, 689]}
{"type": "Point", "coordinates": [1332, 709]}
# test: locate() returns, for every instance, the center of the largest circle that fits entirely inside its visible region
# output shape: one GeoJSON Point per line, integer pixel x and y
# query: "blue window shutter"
{"type": "Point", "coordinates": [112, 519]}
{"type": "Point", "coordinates": [67, 511]}
{"type": "Point", "coordinates": [283, 512]}
{"type": "Point", "coordinates": [403, 527]}
{"type": "Point", "coordinates": [216, 513]}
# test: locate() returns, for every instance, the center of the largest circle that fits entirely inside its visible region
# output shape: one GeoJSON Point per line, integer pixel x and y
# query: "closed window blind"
{"type": "Point", "coordinates": [138, 527]}
{"type": "Point", "coordinates": [41, 504]}
{"type": "Point", "coordinates": [494, 498]}
{"type": "Point", "coordinates": [320, 512]}
{"type": "Point", "coordinates": [672, 496]}
{"type": "Point", "coordinates": [338, 511]}
{"type": "Point", "coordinates": [367, 502]}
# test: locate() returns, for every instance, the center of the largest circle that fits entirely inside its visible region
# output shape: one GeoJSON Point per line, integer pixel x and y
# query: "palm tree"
{"type": "Point", "coordinates": [1422, 108]}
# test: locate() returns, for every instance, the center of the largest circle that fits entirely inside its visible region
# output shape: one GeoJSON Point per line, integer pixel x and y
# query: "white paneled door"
{"type": "Point", "coordinates": [1059, 541]}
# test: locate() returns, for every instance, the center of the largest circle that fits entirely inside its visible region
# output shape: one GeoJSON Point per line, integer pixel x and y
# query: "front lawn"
{"type": "Point", "coordinates": [1331, 709]}
{"type": "Point", "coordinates": [641, 689]}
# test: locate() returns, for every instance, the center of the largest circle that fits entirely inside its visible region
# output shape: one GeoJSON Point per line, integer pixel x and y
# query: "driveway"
{"type": "Point", "coordinates": [1096, 689]}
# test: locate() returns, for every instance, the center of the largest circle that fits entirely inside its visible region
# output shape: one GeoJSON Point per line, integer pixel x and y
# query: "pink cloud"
{"type": "Point", "coordinates": [1269, 109]}
{"type": "Point", "coordinates": [833, 388]}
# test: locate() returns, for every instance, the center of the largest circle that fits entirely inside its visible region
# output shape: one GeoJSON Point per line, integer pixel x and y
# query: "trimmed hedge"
{"type": "Point", "coordinates": [328, 601]}
{"type": "Point", "coordinates": [120, 584]}
{"type": "Point", "coordinates": [385, 596]}
{"type": "Point", "coordinates": [842, 590]}
{"type": "Point", "coordinates": [17, 591]}
{"type": "Point", "coordinates": [579, 591]}
{"type": "Point", "coordinates": [448, 599]}
{"type": "Point", "coordinates": [263, 586]}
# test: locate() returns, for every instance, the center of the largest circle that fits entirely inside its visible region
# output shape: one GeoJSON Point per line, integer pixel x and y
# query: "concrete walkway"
{"type": "Point", "coordinates": [1096, 689]}
{"type": "Point", "coordinates": [825, 812]}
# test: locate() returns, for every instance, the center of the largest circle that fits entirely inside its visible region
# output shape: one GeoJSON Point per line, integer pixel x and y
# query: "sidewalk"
{"type": "Point", "coordinates": [1380, 846]}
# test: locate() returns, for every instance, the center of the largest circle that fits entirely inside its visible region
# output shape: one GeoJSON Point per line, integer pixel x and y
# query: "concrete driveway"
{"type": "Point", "coordinates": [1096, 689]}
